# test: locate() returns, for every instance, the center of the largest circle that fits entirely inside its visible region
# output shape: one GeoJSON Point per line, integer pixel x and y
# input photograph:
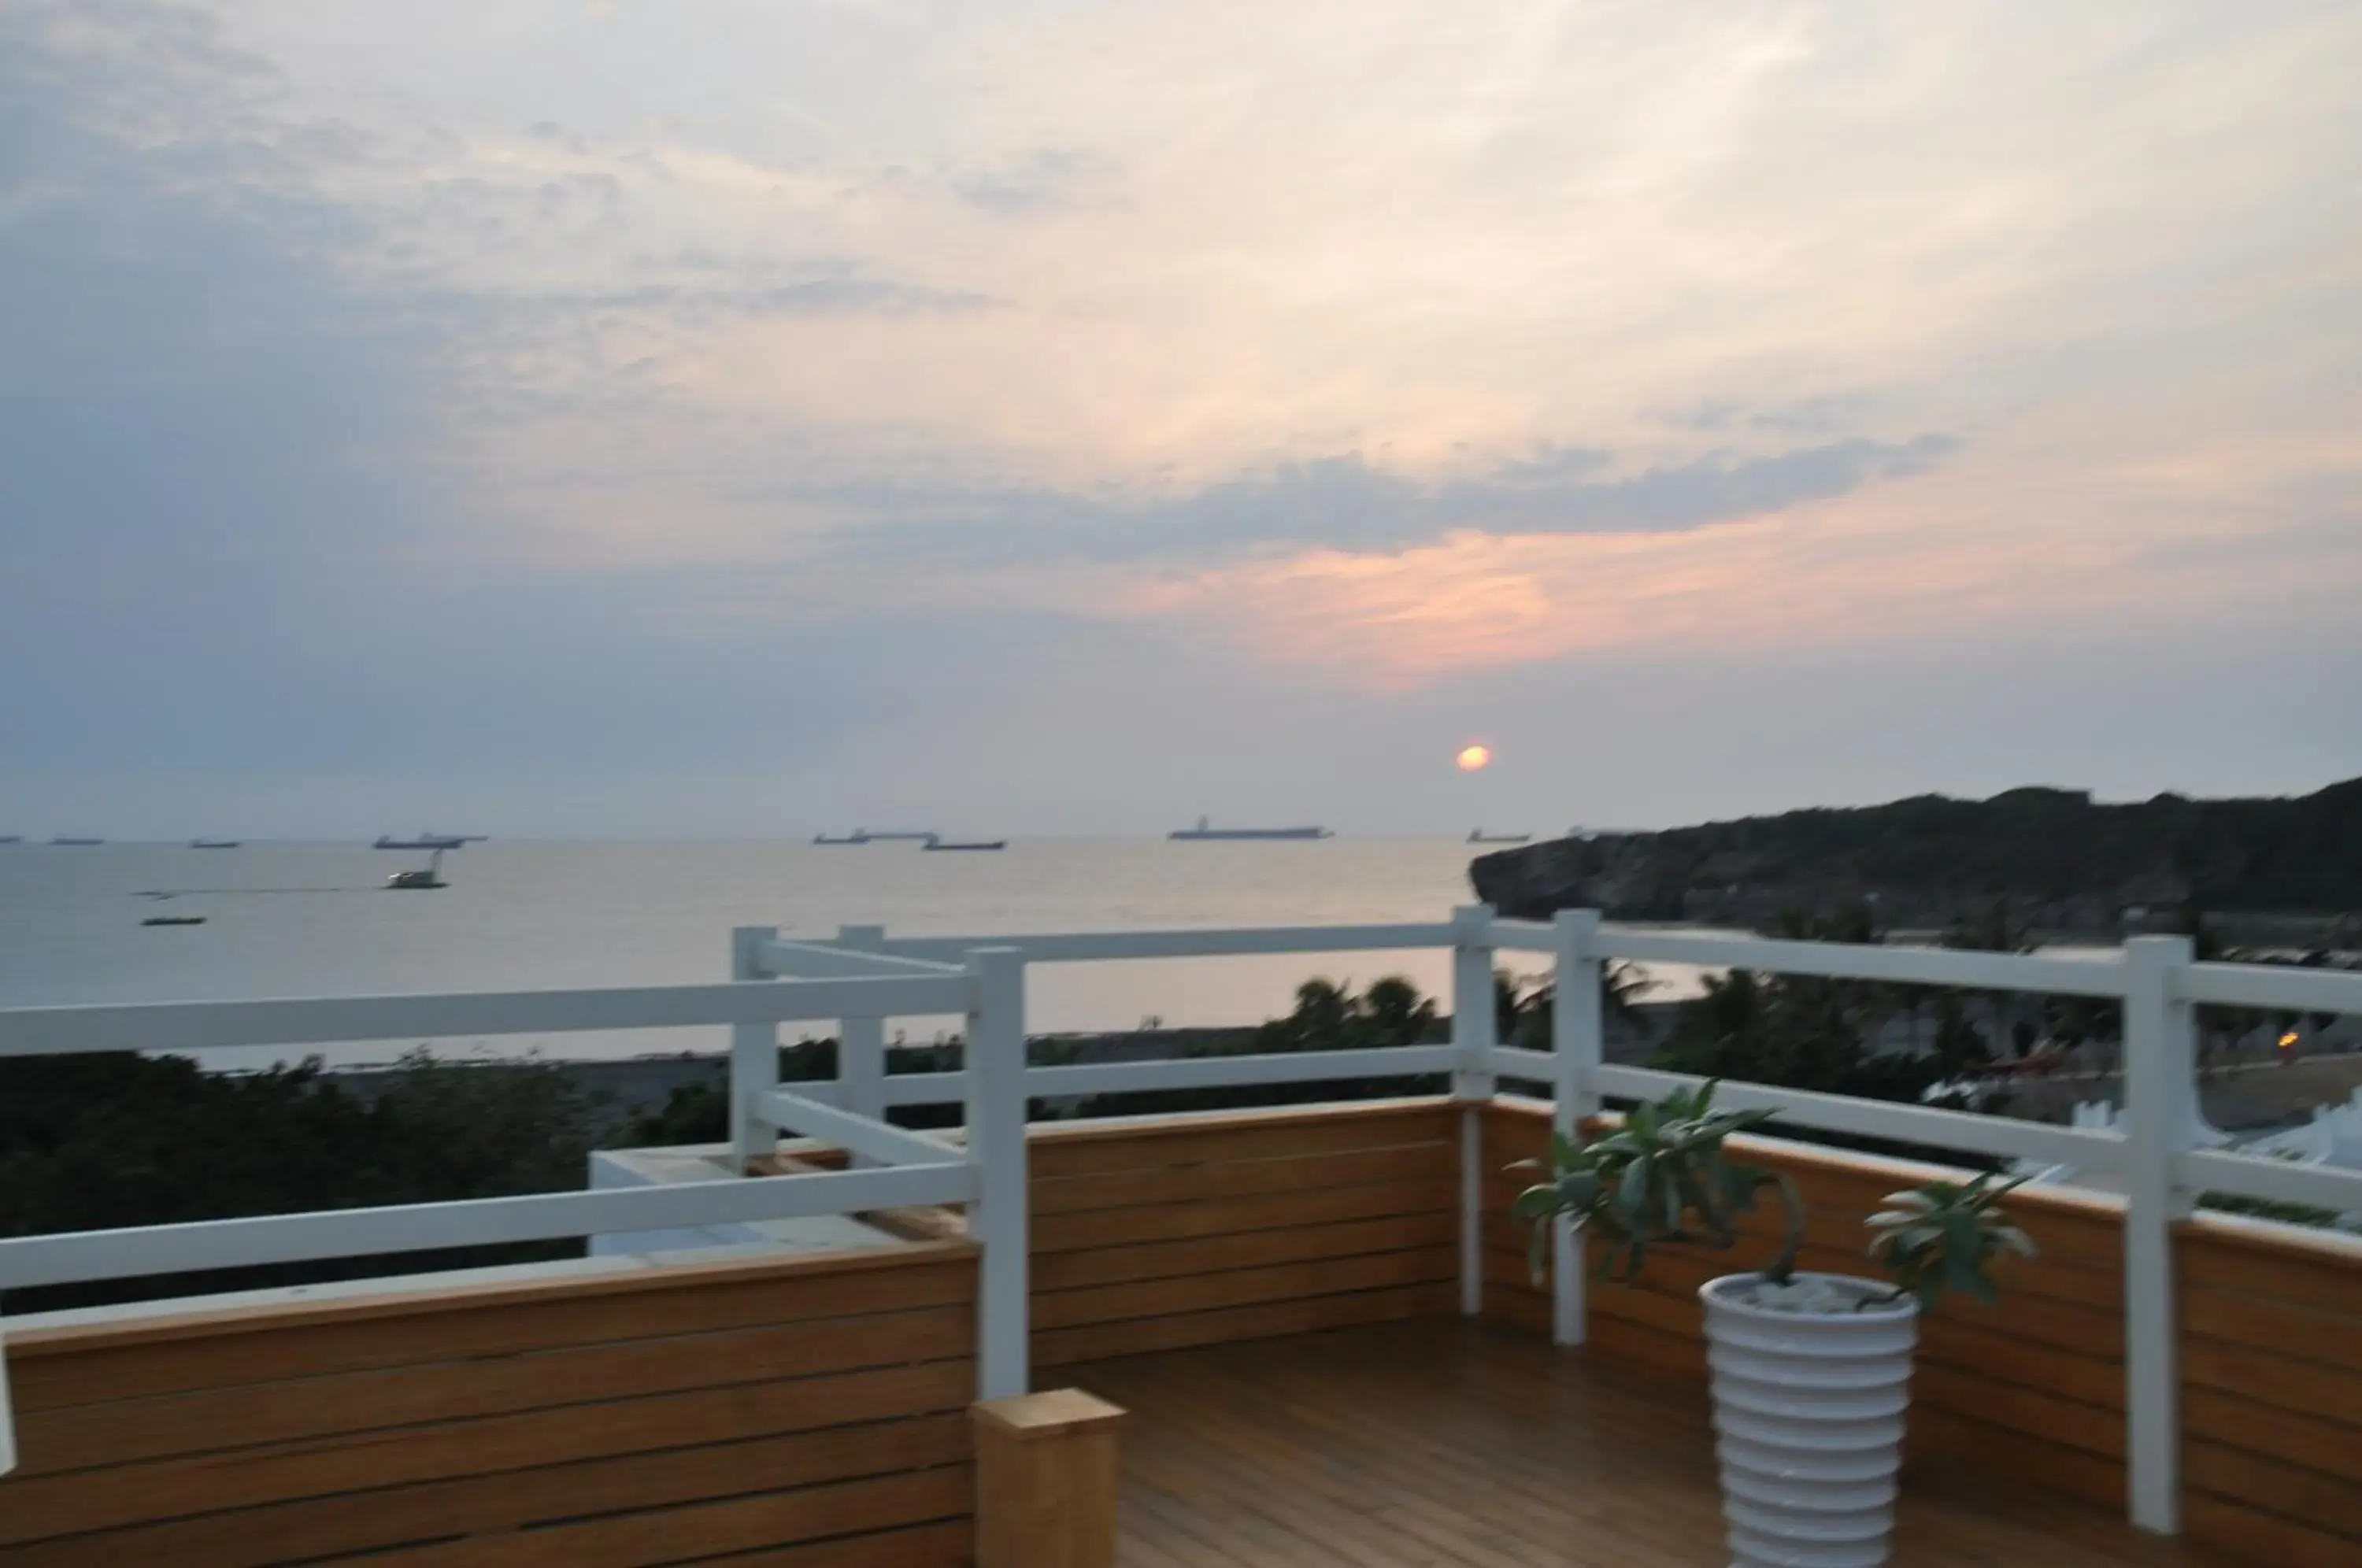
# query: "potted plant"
{"type": "Point", "coordinates": [1811, 1371]}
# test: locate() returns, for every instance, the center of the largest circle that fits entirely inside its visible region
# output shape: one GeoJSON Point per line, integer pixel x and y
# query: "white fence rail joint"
{"type": "Point", "coordinates": [852, 1131]}
{"type": "Point", "coordinates": [842, 959]}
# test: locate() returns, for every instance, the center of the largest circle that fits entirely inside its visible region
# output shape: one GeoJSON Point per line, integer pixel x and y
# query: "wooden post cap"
{"type": "Point", "coordinates": [1047, 1480]}
{"type": "Point", "coordinates": [1056, 1412]}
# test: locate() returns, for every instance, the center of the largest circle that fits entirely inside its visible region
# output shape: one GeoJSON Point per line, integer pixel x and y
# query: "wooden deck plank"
{"type": "Point", "coordinates": [1442, 1444]}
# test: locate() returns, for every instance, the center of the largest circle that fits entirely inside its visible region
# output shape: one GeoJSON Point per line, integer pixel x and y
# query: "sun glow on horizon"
{"type": "Point", "coordinates": [1474, 758]}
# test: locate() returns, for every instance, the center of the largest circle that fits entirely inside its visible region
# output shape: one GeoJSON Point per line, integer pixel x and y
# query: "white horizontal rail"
{"type": "Point", "coordinates": [1185, 1072]}
{"type": "Point", "coordinates": [1516, 1062]}
{"type": "Point", "coordinates": [2279, 986]}
{"type": "Point", "coordinates": [199, 1026]}
{"type": "Point", "coordinates": [923, 1089]}
{"type": "Point", "coordinates": [1226, 1072]}
{"type": "Point", "coordinates": [810, 1118]}
{"type": "Point", "coordinates": [483, 1221]}
{"type": "Point", "coordinates": [1857, 961]}
{"type": "Point", "coordinates": [2087, 1148]}
{"type": "Point", "coordinates": [1097, 947]}
{"type": "Point", "coordinates": [1525, 936]}
{"type": "Point", "coordinates": [826, 961]}
{"type": "Point", "coordinates": [2280, 1181]}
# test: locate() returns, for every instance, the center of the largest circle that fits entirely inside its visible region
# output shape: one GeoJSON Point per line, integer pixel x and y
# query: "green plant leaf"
{"type": "Point", "coordinates": [1578, 1191]}
{"type": "Point", "coordinates": [1536, 1203]}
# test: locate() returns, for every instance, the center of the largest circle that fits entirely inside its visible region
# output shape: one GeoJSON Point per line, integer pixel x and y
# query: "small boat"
{"type": "Point", "coordinates": [858, 836]}
{"type": "Point", "coordinates": [77, 843]}
{"type": "Point", "coordinates": [215, 843]}
{"type": "Point", "coordinates": [175, 920]}
{"type": "Point", "coordinates": [1205, 831]}
{"type": "Point", "coordinates": [428, 841]}
{"type": "Point", "coordinates": [12, 838]}
{"type": "Point", "coordinates": [898, 837]}
{"type": "Point", "coordinates": [1478, 836]}
{"type": "Point", "coordinates": [935, 843]}
{"type": "Point", "coordinates": [427, 876]}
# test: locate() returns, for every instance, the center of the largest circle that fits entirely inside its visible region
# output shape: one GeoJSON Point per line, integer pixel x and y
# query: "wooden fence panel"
{"type": "Point", "coordinates": [629, 1421]}
{"type": "Point", "coordinates": [1152, 1237]}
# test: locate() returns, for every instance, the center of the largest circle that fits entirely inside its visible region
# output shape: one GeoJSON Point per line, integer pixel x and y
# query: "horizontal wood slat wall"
{"type": "Point", "coordinates": [791, 1412]}
{"type": "Point", "coordinates": [2032, 1388]}
{"type": "Point", "coordinates": [1149, 1237]}
{"type": "Point", "coordinates": [2271, 1376]}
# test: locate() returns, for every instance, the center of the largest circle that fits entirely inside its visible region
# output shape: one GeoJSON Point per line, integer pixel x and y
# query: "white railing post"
{"type": "Point", "coordinates": [754, 1055]}
{"type": "Point", "coordinates": [7, 1411]}
{"type": "Point", "coordinates": [1576, 1051]}
{"type": "Point", "coordinates": [995, 1061]}
{"type": "Point", "coordinates": [2160, 1110]}
{"type": "Point", "coordinates": [861, 1042]}
{"type": "Point", "coordinates": [1472, 1084]}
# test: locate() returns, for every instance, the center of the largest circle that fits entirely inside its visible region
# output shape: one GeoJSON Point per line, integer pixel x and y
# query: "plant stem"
{"type": "Point", "coordinates": [1780, 1270]}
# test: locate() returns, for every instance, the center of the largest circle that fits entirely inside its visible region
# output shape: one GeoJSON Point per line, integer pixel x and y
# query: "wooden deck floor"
{"type": "Point", "coordinates": [1440, 1443]}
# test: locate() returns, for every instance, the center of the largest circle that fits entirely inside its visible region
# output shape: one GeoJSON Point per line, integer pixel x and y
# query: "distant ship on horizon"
{"type": "Point", "coordinates": [1205, 831]}
{"type": "Point", "coordinates": [76, 843]}
{"type": "Point", "coordinates": [215, 843]}
{"type": "Point", "coordinates": [1478, 836]}
{"type": "Point", "coordinates": [428, 841]}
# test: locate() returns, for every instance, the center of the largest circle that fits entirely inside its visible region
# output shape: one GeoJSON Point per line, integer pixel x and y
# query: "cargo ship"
{"type": "Point", "coordinates": [1205, 831]}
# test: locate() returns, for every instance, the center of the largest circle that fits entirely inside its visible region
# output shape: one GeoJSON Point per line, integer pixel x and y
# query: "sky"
{"type": "Point", "coordinates": [707, 417]}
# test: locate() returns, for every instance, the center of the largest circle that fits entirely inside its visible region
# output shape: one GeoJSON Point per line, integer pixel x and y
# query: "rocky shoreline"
{"type": "Point", "coordinates": [2288, 872]}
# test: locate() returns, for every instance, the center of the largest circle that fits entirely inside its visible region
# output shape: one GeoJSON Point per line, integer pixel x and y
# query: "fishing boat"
{"type": "Point", "coordinates": [935, 841]}
{"type": "Point", "coordinates": [1478, 836]}
{"type": "Point", "coordinates": [427, 877]}
{"type": "Point", "coordinates": [1205, 831]}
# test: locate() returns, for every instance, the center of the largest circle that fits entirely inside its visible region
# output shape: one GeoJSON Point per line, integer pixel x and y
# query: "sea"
{"type": "Point", "coordinates": [316, 919]}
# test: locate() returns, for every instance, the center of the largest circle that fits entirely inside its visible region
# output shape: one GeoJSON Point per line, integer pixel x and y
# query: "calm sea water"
{"type": "Point", "coordinates": [308, 919]}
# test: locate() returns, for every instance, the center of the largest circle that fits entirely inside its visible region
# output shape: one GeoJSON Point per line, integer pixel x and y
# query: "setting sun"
{"type": "Point", "coordinates": [1474, 758]}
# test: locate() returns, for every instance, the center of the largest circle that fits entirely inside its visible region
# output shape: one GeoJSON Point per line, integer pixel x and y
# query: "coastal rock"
{"type": "Point", "coordinates": [2052, 859]}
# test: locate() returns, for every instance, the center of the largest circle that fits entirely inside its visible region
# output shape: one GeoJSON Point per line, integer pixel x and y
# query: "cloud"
{"type": "Point", "coordinates": [825, 296]}
{"type": "Point", "coordinates": [1042, 181]}
{"type": "Point", "coordinates": [1348, 505]}
{"type": "Point", "coordinates": [193, 397]}
{"type": "Point", "coordinates": [818, 394]}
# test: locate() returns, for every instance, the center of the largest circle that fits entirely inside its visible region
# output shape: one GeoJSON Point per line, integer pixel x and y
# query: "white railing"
{"type": "Point", "coordinates": [912, 1170]}
{"type": "Point", "coordinates": [863, 976]}
{"type": "Point", "coordinates": [2156, 1153]}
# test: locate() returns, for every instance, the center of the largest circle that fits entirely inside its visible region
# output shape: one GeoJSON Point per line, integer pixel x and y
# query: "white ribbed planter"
{"type": "Point", "coordinates": [1808, 1424]}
